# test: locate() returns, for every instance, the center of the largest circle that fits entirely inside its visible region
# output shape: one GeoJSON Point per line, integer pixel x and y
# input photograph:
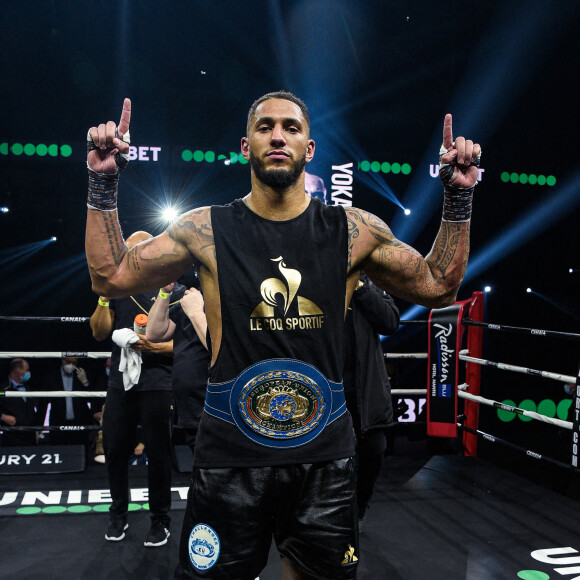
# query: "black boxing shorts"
{"type": "Point", "coordinates": [233, 513]}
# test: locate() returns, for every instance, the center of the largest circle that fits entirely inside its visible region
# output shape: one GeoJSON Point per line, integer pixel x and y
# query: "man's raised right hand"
{"type": "Point", "coordinates": [107, 141]}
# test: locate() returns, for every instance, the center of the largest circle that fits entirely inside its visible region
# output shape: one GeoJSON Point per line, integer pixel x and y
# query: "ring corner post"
{"type": "Point", "coordinates": [473, 372]}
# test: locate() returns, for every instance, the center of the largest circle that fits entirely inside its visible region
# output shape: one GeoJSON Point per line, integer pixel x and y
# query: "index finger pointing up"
{"type": "Point", "coordinates": [447, 132]}
{"type": "Point", "coordinates": [125, 117]}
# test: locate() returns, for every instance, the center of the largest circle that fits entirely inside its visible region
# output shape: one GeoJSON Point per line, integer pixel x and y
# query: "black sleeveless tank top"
{"type": "Point", "coordinates": [282, 291]}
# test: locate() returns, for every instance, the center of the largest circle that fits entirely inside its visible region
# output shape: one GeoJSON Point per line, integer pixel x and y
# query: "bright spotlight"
{"type": "Point", "coordinates": [407, 211]}
{"type": "Point", "coordinates": [4, 209]}
{"type": "Point", "coordinates": [53, 239]}
{"type": "Point", "coordinates": [227, 162]}
{"type": "Point", "coordinates": [571, 270]}
{"type": "Point", "coordinates": [487, 289]}
{"type": "Point", "coordinates": [169, 214]}
{"type": "Point", "coordinates": [528, 290]}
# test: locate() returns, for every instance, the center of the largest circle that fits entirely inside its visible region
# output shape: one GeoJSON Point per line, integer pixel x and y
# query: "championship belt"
{"type": "Point", "coordinates": [278, 403]}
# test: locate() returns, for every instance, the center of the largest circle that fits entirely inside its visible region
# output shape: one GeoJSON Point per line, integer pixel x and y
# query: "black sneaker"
{"type": "Point", "coordinates": [157, 536]}
{"type": "Point", "coordinates": [116, 531]}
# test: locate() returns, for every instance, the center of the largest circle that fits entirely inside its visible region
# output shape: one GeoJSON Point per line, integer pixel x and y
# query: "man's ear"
{"type": "Point", "coordinates": [310, 150]}
{"type": "Point", "coordinates": [245, 148]}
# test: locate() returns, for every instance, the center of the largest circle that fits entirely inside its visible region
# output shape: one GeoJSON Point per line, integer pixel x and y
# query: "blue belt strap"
{"type": "Point", "coordinates": [226, 401]}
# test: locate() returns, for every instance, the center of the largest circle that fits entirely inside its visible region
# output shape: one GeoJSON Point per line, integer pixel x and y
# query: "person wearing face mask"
{"type": "Point", "coordinates": [18, 411]}
{"type": "Point", "coordinates": [69, 411]}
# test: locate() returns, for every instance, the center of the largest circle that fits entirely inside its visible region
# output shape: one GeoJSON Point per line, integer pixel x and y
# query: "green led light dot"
{"type": "Point", "coordinates": [65, 150]}
{"type": "Point", "coordinates": [563, 408]}
{"type": "Point", "coordinates": [385, 167]}
{"type": "Point", "coordinates": [365, 165]}
{"type": "Point", "coordinates": [533, 575]}
{"type": "Point", "coordinates": [27, 511]}
{"type": "Point", "coordinates": [187, 155]}
{"type": "Point", "coordinates": [506, 416]}
{"type": "Point", "coordinates": [242, 159]}
{"type": "Point", "coordinates": [209, 156]}
{"type": "Point", "coordinates": [4, 148]}
{"type": "Point", "coordinates": [547, 407]}
{"type": "Point", "coordinates": [396, 168]}
{"type": "Point", "coordinates": [514, 177]}
{"type": "Point", "coordinates": [41, 150]}
{"type": "Point", "coordinates": [541, 180]}
{"type": "Point", "coordinates": [532, 179]}
{"type": "Point", "coordinates": [54, 509]}
{"type": "Point", "coordinates": [527, 405]}
{"type": "Point", "coordinates": [79, 509]}
{"type": "Point", "coordinates": [405, 169]}
{"type": "Point", "coordinates": [198, 156]}
{"type": "Point", "coordinates": [17, 148]}
{"type": "Point", "coordinates": [523, 178]}
{"type": "Point", "coordinates": [233, 157]}
{"type": "Point", "coordinates": [505, 176]}
{"type": "Point", "coordinates": [551, 180]}
{"type": "Point", "coordinates": [101, 507]}
{"type": "Point", "coordinates": [133, 507]}
{"type": "Point", "coordinates": [375, 166]}
{"type": "Point", "coordinates": [29, 149]}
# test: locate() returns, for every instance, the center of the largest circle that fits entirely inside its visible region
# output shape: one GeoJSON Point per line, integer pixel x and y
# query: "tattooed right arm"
{"type": "Point", "coordinates": [116, 271]}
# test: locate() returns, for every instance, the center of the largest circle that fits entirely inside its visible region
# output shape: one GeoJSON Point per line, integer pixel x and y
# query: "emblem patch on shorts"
{"type": "Point", "coordinates": [203, 546]}
{"type": "Point", "coordinates": [281, 404]}
{"type": "Point", "coordinates": [349, 556]}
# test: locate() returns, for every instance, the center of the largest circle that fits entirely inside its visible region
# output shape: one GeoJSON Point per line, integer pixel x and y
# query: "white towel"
{"type": "Point", "coordinates": [131, 360]}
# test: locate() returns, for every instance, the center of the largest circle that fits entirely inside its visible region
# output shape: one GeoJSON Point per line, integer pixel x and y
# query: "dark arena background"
{"type": "Point", "coordinates": [378, 77]}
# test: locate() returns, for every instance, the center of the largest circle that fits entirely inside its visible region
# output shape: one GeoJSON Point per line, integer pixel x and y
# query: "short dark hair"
{"type": "Point", "coordinates": [17, 363]}
{"type": "Point", "coordinates": [288, 96]}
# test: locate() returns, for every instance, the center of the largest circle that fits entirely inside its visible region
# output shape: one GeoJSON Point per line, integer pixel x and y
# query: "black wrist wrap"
{"type": "Point", "coordinates": [103, 189]}
{"type": "Point", "coordinates": [457, 201]}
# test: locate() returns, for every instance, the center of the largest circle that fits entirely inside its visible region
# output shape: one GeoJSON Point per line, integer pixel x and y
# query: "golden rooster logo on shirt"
{"type": "Point", "coordinates": [278, 295]}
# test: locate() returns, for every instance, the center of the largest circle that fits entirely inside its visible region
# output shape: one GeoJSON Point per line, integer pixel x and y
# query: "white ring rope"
{"type": "Point", "coordinates": [80, 394]}
{"type": "Point", "coordinates": [406, 355]}
{"type": "Point", "coordinates": [506, 367]}
{"type": "Point", "coordinates": [53, 354]}
{"type": "Point", "coordinates": [531, 414]}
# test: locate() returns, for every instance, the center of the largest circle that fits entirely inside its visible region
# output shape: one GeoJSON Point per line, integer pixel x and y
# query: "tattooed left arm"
{"type": "Point", "coordinates": [399, 269]}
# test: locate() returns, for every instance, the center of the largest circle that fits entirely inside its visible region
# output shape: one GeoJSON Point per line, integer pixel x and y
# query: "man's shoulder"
{"type": "Point", "coordinates": [235, 205]}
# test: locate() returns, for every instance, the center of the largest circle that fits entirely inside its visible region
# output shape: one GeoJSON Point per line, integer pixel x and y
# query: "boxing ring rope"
{"type": "Point", "coordinates": [31, 394]}
{"type": "Point", "coordinates": [47, 318]}
{"type": "Point", "coordinates": [53, 354]}
{"type": "Point", "coordinates": [506, 367]}
{"type": "Point", "coordinates": [528, 452]}
{"type": "Point", "coordinates": [471, 356]}
{"type": "Point", "coordinates": [516, 410]}
{"type": "Point", "coordinates": [491, 403]}
{"type": "Point", "coordinates": [51, 394]}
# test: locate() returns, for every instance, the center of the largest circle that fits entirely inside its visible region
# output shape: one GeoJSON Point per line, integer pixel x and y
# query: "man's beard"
{"type": "Point", "coordinates": [277, 178]}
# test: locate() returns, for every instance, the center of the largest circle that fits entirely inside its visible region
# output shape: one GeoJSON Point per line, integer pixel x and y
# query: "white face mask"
{"type": "Point", "coordinates": [69, 369]}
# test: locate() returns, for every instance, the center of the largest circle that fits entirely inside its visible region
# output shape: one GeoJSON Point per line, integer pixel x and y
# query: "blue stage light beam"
{"type": "Point", "coordinates": [554, 303]}
{"type": "Point", "coordinates": [378, 185]}
{"type": "Point", "coordinates": [545, 214]}
{"type": "Point", "coordinates": [477, 111]}
{"type": "Point", "coordinates": [34, 287]}
{"type": "Point", "coordinates": [11, 258]}
{"type": "Point", "coordinates": [536, 220]}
